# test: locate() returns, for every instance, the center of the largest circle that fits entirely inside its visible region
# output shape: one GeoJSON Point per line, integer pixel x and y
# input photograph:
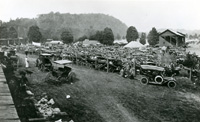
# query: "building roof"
{"type": "Point", "coordinates": [174, 32]}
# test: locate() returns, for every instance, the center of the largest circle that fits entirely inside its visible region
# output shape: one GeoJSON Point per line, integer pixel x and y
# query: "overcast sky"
{"type": "Point", "coordinates": [143, 14]}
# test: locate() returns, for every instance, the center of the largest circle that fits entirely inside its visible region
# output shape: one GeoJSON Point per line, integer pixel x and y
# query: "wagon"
{"type": "Point", "coordinates": [156, 75]}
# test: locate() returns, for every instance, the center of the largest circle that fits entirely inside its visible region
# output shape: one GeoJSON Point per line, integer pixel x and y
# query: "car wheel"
{"type": "Point", "coordinates": [158, 79]}
{"type": "Point", "coordinates": [171, 84]}
{"type": "Point", "coordinates": [181, 66]}
{"type": "Point", "coordinates": [144, 80]}
{"type": "Point", "coordinates": [71, 77]}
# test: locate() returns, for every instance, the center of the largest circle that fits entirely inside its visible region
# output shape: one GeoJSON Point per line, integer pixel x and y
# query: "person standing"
{"type": "Point", "coordinates": [26, 62]}
{"type": "Point", "coordinates": [26, 51]}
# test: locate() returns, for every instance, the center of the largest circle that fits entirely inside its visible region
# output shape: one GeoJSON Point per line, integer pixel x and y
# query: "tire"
{"type": "Point", "coordinates": [171, 84]}
{"type": "Point", "coordinates": [158, 79]}
{"type": "Point", "coordinates": [144, 80]}
{"type": "Point", "coordinates": [181, 66]}
{"type": "Point", "coordinates": [71, 77]}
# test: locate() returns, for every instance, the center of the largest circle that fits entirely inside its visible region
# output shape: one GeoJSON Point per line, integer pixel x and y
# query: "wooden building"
{"type": "Point", "coordinates": [171, 38]}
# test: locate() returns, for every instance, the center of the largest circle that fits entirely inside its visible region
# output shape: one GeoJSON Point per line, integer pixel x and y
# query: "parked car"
{"type": "Point", "coordinates": [61, 73]}
{"type": "Point", "coordinates": [156, 75]}
{"type": "Point", "coordinates": [44, 62]}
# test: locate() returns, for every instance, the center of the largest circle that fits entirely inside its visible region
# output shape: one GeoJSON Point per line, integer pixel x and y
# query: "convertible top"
{"type": "Point", "coordinates": [63, 62]}
{"type": "Point", "coordinates": [46, 54]}
{"type": "Point", "coordinates": [150, 67]}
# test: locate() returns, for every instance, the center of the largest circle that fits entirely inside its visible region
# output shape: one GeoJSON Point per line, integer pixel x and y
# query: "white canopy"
{"type": "Point", "coordinates": [36, 44]}
{"type": "Point", "coordinates": [134, 44]}
{"type": "Point", "coordinates": [122, 41]}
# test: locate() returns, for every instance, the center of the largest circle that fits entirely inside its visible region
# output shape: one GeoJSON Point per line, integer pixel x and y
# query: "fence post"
{"type": "Point", "coordinates": [107, 65]}
{"type": "Point", "coordinates": [190, 74]}
{"type": "Point", "coordinates": [95, 64]}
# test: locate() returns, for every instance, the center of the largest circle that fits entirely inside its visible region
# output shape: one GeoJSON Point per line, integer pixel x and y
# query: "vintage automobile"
{"type": "Point", "coordinates": [155, 75]}
{"type": "Point", "coordinates": [44, 62]}
{"type": "Point", "coordinates": [61, 73]}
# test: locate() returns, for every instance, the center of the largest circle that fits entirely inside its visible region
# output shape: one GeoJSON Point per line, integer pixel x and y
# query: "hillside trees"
{"type": "Point", "coordinates": [118, 37]}
{"type": "Point", "coordinates": [67, 37]}
{"type": "Point", "coordinates": [153, 37]}
{"type": "Point", "coordinates": [143, 38]}
{"type": "Point", "coordinates": [3, 32]}
{"type": "Point", "coordinates": [132, 34]}
{"type": "Point", "coordinates": [13, 33]}
{"type": "Point", "coordinates": [34, 34]}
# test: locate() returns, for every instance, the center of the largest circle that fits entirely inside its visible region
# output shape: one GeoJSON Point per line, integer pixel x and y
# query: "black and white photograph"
{"type": "Point", "coordinates": [100, 61]}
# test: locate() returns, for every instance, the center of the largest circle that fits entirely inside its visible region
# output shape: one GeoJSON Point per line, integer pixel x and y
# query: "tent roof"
{"type": "Point", "coordinates": [90, 42]}
{"type": "Point", "coordinates": [134, 44]}
{"type": "Point", "coordinates": [122, 41]}
{"type": "Point", "coordinates": [55, 42]}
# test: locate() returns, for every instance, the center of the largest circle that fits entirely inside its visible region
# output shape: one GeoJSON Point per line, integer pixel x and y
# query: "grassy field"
{"type": "Point", "coordinates": [106, 97]}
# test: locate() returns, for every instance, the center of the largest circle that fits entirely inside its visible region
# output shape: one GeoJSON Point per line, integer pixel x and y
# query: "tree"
{"type": "Point", "coordinates": [67, 37]}
{"type": "Point", "coordinates": [99, 36]}
{"type": "Point", "coordinates": [34, 34]}
{"type": "Point", "coordinates": [143, 38]}
{"type": "Point", "coordinates": [190, 61]}
{"type": "Point", "coordinates": [153, 37]}
{"type": "Point", "coordinates": [82, 38]}
{"type": "Point", "coordinates": [108, 37]}
{"type": "Point", "coordinates": [13, 33]}
{"type": "Point", "coordinates": [131, 34]}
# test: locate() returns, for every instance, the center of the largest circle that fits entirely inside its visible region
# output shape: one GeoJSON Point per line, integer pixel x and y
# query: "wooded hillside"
{"type": "Point", "coordinates": [52, 24]}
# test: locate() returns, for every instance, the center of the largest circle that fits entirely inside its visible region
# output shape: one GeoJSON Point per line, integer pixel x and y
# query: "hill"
{"type": "Point", "coordinates": [52, 24]}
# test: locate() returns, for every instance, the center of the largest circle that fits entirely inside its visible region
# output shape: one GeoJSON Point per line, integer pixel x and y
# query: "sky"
{"type": "Point", "coordinates": [142, 14]}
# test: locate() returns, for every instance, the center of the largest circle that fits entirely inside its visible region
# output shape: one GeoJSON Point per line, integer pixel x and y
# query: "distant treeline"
{"type": "Point", "coordinates": [51, 25]}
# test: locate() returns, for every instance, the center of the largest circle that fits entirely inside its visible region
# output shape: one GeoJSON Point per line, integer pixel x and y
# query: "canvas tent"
{"type": "Point", "coordinates": [122, 41]}
{"type": "Point", "coordinates": [134, 44]}
{"type": "Point", "coordinates": [88, 42]}
{"type": "Point", "coordinates": [36, 44]}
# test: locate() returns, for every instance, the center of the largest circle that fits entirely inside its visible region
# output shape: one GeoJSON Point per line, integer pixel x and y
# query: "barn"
{"type": "Point", "coordinates": [171, 38]}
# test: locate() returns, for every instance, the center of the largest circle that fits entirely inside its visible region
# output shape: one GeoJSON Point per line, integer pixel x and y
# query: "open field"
{"type": "Point", "coordinates": [106, 97]}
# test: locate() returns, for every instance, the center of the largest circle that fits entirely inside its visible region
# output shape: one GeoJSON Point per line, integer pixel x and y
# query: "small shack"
{"type": "Point", "coordinates": [171, 38]}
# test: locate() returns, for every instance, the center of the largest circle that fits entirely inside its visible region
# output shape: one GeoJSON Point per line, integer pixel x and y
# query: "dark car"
{"type": "Point", "coordinates": [156, 75]}
{"type": "Point", "coordinates": [61, 73]}
{"type": "Point", "coordinates": [44, 62]}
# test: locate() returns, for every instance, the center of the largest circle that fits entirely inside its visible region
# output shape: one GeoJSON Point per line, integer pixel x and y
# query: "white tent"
{"type": "Point", "coordinates": [36, 44]}
{"type": "Point", "coordinates": [122, 41]}
{"type": "Point", "coordinates": [134, 44]}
